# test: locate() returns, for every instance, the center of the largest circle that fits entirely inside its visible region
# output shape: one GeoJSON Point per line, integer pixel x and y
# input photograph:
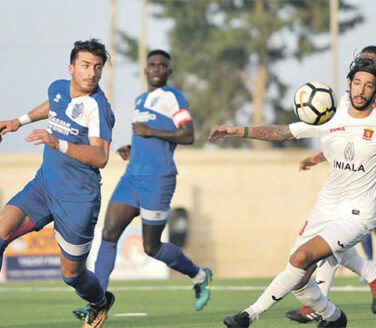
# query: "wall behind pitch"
{"type": "Point", "coordinates": [245, 206]}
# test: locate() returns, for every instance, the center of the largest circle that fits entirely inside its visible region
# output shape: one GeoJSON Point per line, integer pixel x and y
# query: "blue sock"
{"type": "Point", "coordinates": [367, 247]}
{"type": "Point", "coordinates": [175, 259]}
{"type": "Point", "coordinates": [2, 249]}
{"type": "Point", "coordinates": [87, 286]}
{"type": "Point", "coordinates": [105, 262]}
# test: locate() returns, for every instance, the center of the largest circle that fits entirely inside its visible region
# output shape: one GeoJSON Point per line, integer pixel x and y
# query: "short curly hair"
{"type": "Point", "coordinates": [94, 46]}
{"type": "Point", "coordinates": [362, 64]}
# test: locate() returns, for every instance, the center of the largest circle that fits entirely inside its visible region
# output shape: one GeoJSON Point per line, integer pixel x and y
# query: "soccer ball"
{"type": "Point", "coordinates": [315, 103]}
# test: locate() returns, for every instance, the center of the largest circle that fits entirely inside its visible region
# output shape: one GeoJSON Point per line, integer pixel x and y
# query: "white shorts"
{"type": "Point", "coordinates": [340, 233]}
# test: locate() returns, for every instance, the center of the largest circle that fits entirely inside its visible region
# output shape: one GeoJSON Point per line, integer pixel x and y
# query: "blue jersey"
{"type": "Point", "coordinates": [162, 109]}
{"type": "Point", "coordinates": [74, 120]}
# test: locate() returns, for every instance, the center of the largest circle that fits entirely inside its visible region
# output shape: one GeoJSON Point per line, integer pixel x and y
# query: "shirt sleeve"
{"type": "Point", "coordinates": [302, 130]}
{"type": "Point", "coordinates": [101, 121]}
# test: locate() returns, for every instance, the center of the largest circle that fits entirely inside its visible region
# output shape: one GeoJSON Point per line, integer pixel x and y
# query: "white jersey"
{"type": "Point", "coordinates": [349, 144]}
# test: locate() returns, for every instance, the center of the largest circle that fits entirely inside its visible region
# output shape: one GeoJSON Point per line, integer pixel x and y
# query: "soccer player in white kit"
{"type": "Point", "coordinates": [352, 260]}
{"type": "Point", "coordinates": [345, 211]}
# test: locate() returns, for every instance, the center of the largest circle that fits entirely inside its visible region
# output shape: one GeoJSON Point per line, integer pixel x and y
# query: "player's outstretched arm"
{"type": "Point", "coordinates": [95, 154]}
{"type": "Point", "coordinates": [306, 163]}
{"type": "Point", "coordinates": [38, 113]}
{"type": "Point", "coordinates": [184, 135]}
{"type": "Point", "coordinates": [268, 132]}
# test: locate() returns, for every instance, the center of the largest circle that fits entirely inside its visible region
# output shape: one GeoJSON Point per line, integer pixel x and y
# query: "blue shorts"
{"type": "Point", "coordinates": [150, 194]}
{"type": "Point", "coordinates": [74, 222]}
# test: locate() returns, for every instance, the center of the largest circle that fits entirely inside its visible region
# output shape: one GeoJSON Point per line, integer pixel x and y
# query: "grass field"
{"type": "Point", "coordinates": [164, 304]}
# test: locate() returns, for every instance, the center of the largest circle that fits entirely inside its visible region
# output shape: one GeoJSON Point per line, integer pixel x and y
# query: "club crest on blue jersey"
{"type": "Point", "coordinates": [154, 101]}
{"type": "Point", "coordinates": [57, 98]}
{"type": "Point", "coordinates": [77, 110]}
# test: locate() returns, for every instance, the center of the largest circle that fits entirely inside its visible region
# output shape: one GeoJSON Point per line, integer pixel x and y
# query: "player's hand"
{"type": "Point", "coordinates": [141, 129]}
{"type": "Point", "coordinates": [43, 137]}
{"type": "Point", "coordinates": [1, 138]}
{"type": "Point", "coordinates": [9, 126]}
{"type": "Point", "coordinates": [124, 152]}
{"type": "Point", "coordinates": [223, 131]}
{"type": "Point", "coordinates": [306, 164]}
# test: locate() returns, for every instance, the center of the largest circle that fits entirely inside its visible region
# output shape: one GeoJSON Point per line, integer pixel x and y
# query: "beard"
{"type": "Point", "coordinates": [367, 103]}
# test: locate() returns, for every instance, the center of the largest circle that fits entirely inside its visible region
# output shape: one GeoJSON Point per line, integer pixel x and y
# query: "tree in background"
{"type": "Point", "coordinates": [225, 52]}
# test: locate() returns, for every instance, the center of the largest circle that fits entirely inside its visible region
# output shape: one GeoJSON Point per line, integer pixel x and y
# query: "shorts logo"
{"type": "Point", "coordinates": [368, 133]}
{"type": "Point", "coordinates": [355, 212]}
{"type": "Point", "coordinates": [349, 152]}
{"type": "Point", "coordinates": [77, 110]}
{"type": "Point", "coordinates": [340, 244]}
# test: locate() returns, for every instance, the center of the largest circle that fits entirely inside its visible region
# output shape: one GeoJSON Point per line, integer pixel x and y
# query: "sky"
{"type": "Point", "coordinates": [36, 37]}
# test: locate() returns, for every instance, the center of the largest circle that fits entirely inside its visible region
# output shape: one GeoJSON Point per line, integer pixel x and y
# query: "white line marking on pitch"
{"type": "Point", "coordinates": [130, 314]}
{"type": "Point", "coordinates": [166, 288]}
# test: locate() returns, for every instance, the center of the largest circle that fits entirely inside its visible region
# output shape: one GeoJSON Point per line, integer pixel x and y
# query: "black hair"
{"type": "Point", "coordinates": [159, 52]}
{"type": "Point", "coordinates": [369, 49]}
{"type": "Point", "coordinates": [94, 46]}
{"type": "Point", "coordinates": [362, 64]}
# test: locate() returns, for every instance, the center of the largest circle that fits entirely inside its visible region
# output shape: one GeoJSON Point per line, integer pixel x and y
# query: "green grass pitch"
{"type": "Point", "coordinates": [167, 304]}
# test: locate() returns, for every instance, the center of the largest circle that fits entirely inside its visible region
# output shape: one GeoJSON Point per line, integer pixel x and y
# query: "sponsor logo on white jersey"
{"type": "Point", "coordinates": [143, 116]}
{"type": "Point", "coordinates": [58, 125]}
{"type": "Point", "coordinates": [349, 152]}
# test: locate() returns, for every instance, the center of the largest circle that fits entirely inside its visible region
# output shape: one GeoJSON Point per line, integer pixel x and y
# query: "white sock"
{"type": "Point", "coordinates": [364, 268]}
{"type": "Point", "coordinates": [324, 276]}
{"type": "Point", "coordinates": [312, 296]}
{"type": "Point", "coordinates": [334, 316]}
{"type": "Point", "coordinates": [283, 284]}
{"type": "Point", "coordinates": [199, 277]}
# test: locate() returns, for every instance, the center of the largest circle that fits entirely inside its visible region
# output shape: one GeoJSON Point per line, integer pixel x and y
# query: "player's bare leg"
{"type": "Point", "coordinates": [297, 271]}
{"type": "Point", "coordinates": [351, 260]}
{"type": "Point", "coordinates": [13, 224]}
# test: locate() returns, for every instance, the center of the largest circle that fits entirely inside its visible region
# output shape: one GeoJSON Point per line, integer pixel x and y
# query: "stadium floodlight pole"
{"type": "Point", "coordinates": [142, 45]}
{"type": "Point", "coordinates": [111, 68]}
{"type": "Point", "coordinates": [334, 6]}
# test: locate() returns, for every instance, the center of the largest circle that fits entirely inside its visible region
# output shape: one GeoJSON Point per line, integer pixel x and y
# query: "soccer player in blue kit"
{"type": "Point", "coordinates": [161, 121]}
{"type": "Point", "coordinates": [66, 188]}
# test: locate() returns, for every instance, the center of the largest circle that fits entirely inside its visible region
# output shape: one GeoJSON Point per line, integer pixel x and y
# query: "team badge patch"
{"type": "Point", "coordinates": [368, 133]}
{"type": "Point", "coordinates": [77, 110]}
{"type": "Point", "coordinates": [154, 101]}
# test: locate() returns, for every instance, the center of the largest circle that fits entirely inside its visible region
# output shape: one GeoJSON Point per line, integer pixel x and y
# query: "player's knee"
{"type": "Point", "coordinates": [151, 249]}
{"type": "Point", "coordinates": [72, 281]}
{"type": "Point", "coordinates": [300, 259]}
{"type": "Point", "coordinates": [110, 234]}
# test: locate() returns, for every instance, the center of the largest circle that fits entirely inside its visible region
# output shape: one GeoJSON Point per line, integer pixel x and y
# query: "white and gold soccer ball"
{"type": "Point", "coordinates": [315, 103]}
